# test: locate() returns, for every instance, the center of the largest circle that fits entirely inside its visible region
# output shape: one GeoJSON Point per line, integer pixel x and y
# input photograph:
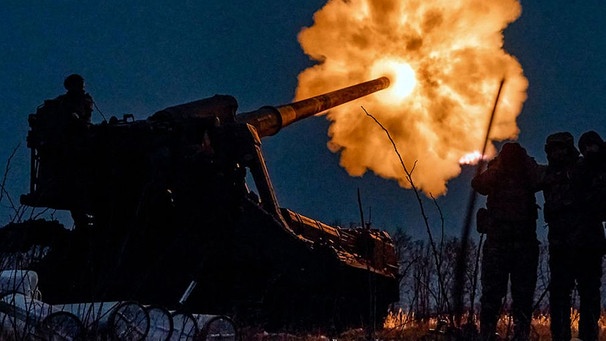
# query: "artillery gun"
{"type": "Point", "coordinates": [163, 215]}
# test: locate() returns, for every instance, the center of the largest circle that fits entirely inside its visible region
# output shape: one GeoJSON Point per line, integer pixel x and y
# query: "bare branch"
{"type": "Point", "coordinates": [421, 206]}
{"type": "Point", "coordinates": [6, 170]}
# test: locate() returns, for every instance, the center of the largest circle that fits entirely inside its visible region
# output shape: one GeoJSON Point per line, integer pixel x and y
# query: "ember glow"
{"type": "Point", "coordinates": [445, 60]}
{"type": "Point", "coordinates": [471, 158]}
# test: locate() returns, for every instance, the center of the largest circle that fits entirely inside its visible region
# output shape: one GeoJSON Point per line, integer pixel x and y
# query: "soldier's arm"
{"type": "Point", "coordinates": [485, 181]}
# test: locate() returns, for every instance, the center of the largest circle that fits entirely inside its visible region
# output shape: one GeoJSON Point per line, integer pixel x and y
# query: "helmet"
{"type": "Point", "coordinates": [513, 156]}
{"type": "Point", "coordinates": [561, 143]}
{"type": "Point", "coordinates": [74, 82]}
{"type": "Point", "coordinates": [563, 138]}
{"type": "Point", "coordinates": [512, 151]}
{"type": "Point", "coordinates": [512, 148]}
{"type": "Point", "coordinates": [590, 137]}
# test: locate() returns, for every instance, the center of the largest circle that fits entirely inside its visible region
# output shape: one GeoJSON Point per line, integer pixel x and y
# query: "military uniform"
{"type": "Point", "coordinates": [576, 239]}
{"type": "Point", "coordinates": [511, 250]}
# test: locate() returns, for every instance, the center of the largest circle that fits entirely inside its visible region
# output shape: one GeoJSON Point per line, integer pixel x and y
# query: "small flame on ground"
{"type": "Point", "coordinates": [403, 320]}
{"type": "Point", "coordinates": [445, 60]}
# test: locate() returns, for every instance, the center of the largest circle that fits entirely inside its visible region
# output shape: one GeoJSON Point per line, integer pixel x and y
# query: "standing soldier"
{"type": "Point", "coordinates": [575, 238]}
{"type": "Point", "coordinates": [76, 107]}
{"type": "Point", "coordinates": [511, 251]}
{"type": "Point", "coordinates": [590, 186]}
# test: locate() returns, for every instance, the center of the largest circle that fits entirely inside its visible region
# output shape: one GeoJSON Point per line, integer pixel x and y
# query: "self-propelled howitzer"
{"type": "Point", "coordinates": [161, 206]}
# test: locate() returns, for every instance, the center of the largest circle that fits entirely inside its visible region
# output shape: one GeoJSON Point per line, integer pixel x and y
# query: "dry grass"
{"type": "Point", "coordinates": [402, 326]}
{"type": "Point", "coordinates": [398, 326]}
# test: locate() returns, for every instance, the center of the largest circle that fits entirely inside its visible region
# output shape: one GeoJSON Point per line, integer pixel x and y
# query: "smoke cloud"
{"type": "Point", "coordinates": [445, 60]}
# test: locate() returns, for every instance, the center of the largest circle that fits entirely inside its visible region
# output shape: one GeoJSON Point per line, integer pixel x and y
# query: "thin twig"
{"type": "Point", "coordinates": [475, 279]}
{"type": "Point", "coordinates": [421, 206]}
{"type": "Point", "coordinates": [3, 191]}
{"type": "Point", "coordinates": [442, 229]}
{"type": "Point", "coordinates": [6, 170]}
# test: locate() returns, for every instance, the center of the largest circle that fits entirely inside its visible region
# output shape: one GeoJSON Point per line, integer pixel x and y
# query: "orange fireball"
{"type": "Point", "coordinates": [445, 60]}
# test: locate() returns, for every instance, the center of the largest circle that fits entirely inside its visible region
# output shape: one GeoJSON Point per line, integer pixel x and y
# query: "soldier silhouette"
{"type": "Point", "coordinates": [576, 238]}
{"type": "Point", "coordinates": [511, 250]}
{"type": "Point", "coordinates": [76, 103]}
{"type": "Point", "coordinates": [76, 107]}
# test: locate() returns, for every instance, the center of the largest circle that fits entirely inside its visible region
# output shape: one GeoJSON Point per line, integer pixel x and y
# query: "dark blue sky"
{"type": "Point", "coordinates": [139, 59]}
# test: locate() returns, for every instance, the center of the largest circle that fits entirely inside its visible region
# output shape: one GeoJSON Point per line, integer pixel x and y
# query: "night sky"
{"type": "Point", "coordinates": [138, 59]}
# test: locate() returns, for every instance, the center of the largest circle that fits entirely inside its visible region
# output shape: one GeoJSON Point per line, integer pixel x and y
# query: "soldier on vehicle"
{"type": "Point", "coordinates": [511, 250]}
{"type": "Point", "coordinates": [576, 238]}
{"type": "Point", "coordinates": [75, 108]}
{"type": "Point", "coordinates": [76, 102]}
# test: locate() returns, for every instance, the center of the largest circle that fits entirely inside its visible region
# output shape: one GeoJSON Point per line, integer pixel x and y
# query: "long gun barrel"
{"type": "Point", "coordinates": [269, 120]}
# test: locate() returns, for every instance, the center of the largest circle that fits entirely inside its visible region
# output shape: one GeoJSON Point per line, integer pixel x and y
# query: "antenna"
{"type": "Point", "coordinates": [461, 256]}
